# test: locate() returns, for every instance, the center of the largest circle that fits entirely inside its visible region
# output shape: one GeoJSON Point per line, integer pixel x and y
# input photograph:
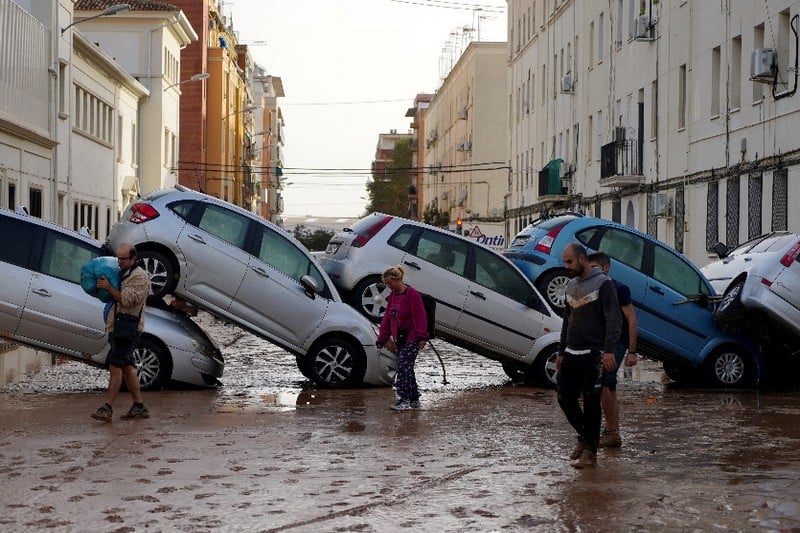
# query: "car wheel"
{"type": "Point", "coordinates": [730, 311]}
{"type": "Point", "coordinates": [153, 364]}
{"type": "Point", "coordinates": [369, 298]}
{"type": "Point", "coordinates": [680, 374]}
{"type": "Point", "coordinates": [553, 286]}
{"type": "Point", "coordinates": [335, 363]}
{"type": "Point", "coordinates": [544, 367]}
{"type": "Point", "coordinates": [160, 271]}
{"type": "Point", "coordinates": [728, 367]}
{"type": "Point", "coordinates": [515, 373]}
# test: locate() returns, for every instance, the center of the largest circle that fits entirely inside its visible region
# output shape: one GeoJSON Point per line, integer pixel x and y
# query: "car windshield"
{"type": "Point", "coordinates": [540, 227]}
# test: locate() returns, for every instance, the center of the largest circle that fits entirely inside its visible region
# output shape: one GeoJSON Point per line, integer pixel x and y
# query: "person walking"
{"type": "Point", "coordinates": [589, 333]}
{"type": "Point", "coordinates": [404, 331]}
{"type": "Point", "coordinates": [624, 351]}
{"type": "Point", "coordinates": [129, 302]}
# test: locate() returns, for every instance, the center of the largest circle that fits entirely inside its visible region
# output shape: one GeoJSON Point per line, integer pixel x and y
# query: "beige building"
{"type": "Point", "coordinates": [465, 146]}
{"type": "Point", "coordinates": [673, 116]}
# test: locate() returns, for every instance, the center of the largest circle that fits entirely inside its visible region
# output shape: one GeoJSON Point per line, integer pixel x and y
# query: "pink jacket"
{"type": "Point", "coordinates": [404, 312]}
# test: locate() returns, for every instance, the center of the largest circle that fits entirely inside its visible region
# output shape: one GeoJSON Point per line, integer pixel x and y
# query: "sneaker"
{"type": "Point", "coordinates": [136, 412]}
{"type": "Point", "coordinates": [610, 439]}
{"type": "Point", "coordinates": [103, 414]}
{"type": "Point", "coordinates": [588, 459]}
{"type": "Point", "coordinates": [576, 453]}
{"type": "Point", "coordinates": [402, 405]}
{"type": "Point", "coordinates": [415, 404]}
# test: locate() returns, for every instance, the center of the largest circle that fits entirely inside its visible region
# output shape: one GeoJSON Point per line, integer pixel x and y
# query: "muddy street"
{"type": "Point", "coordinates": [266, 453]}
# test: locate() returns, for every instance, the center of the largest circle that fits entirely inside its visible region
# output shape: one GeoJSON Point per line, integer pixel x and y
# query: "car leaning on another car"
{"type": "Point", "coordinates": [43, 305]}
{"type": "Point", "coordinates": [484, 303]}
{"type": "Point", "coordinates": [760, 281]}
{"type": "Point", "coordinates": [244, 269]}
{"type": "Point", "coordinates": [672, 299]}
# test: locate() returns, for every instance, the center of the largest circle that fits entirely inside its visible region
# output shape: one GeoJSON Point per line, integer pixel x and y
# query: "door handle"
{"type": "Point", "coordinates": [197, 238]}
{"type": "Point", "coordinates": [412, 264]}
{"type": "Point", "coordinates": [657, 290]}
{"type": "Point", "coordinates": [42, 292]}
{"type": "Point", "coordinates": [260, 271]}
{"type": "Point", "coordinates": [478, 294]}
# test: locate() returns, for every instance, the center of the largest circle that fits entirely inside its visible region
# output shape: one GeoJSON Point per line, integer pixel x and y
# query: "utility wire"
{"type": "Point", "coordinates": [454, 5]}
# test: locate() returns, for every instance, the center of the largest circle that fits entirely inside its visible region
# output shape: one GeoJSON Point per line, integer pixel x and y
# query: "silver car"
{"type": "Point", "coordinates": [484, 303]}
{"type": "Point", "coordinates": [43, 305]}
{"type": "Point", "coordinates": [241, 268]}
{"type": "Point", "coordinates": [760, 281]}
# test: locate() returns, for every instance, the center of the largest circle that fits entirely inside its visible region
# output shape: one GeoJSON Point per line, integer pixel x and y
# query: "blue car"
{"type": "Point", "coordinates": [674, 302]}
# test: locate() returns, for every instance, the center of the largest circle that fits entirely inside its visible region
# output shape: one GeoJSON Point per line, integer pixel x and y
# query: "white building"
{"type": "Point", "coordinates": [645, 112]}
{"type": "Point", "coordinates": [465, 146]}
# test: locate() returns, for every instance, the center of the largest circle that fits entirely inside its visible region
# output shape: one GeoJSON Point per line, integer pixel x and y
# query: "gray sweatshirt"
{"type": "Point", "coordinates": [592, 320]}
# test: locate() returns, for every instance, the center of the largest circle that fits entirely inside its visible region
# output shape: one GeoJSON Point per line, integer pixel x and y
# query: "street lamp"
{"type": "Point", "coordinates": [113, 10]}
{"type": "Point", "coordinates": [245, 110]}
{"type": "Point", "coordinates": [196, 77]}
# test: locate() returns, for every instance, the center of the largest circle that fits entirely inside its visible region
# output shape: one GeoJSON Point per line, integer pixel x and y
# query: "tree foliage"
{"type": "Point", "coordinates": [387, 192]}
{"type": "Point", "coordinates": [315, 240]}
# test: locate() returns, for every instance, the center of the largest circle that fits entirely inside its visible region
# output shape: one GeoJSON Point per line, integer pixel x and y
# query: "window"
{"type": "Point", "coordinates": [497, 275]}
{"type": "Point", "coordinates": [632, 11]}
{"type": "Point", "coordinates": [732, 213]}
{"type": "Point", "coordinates": [591, 44]}
{"type": "Point", "coordinates": [134, 147]}
{"type": "Point", "coordinates": [600, 37]}
{"type": "Point", "coordinates": [716, 74]}
{"type": "Point", "coordinates": [600, 126]}
{"type": "Point", "coordinates": [754, 202]}
{"type": "Point", "coordinates": [35, 205]}
{"type": "Point", "coordinates": [682, 96]}
{"type": "Point", "coordinates": [758, 42]}
{"type": "Point", "coordinates": [672, 271]}
{"type": "Point", "coordinates": [712, 215]}
{"type": "Point", "coordinates": [618, 24]}
{"type": "Point", "coordinates": [625, 247]}
{"type": "Point", "coordinates": [63, 256]}
{"type": "Point", "coordinates": [443, 251]}
{"type": "Point", "coordinates": [779, 200]}
{"type": "Point", "coordinates": [589, 141]}
{"type": "Point", "coordinates": [402, 237]}
{"type": "Point", "coordinates": [283, 255]}
{"type": "Point", "coordinates": [16, 251]}
{"type": "Point", "coordinates": [93, 117]}
{"type": "Point", "coordinates": [12, 196]}
{"type": "Point", "coordinates": [735, 83]}
{"type": "Point", "coordinates": [225, 224]}
{"type": "Point", "coordinates": [654, 109]}
{"type": "Point", "coordinates": [120, 130]}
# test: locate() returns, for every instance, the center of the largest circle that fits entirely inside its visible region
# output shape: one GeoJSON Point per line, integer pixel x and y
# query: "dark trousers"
{"type": "Point", "coordinates": [581, 375]}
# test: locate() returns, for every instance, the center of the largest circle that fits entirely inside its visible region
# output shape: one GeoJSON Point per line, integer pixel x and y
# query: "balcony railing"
{"type": "Point", "coordinates": [621, 163]}
{"type": "Point", "coordinates": [550, 183]}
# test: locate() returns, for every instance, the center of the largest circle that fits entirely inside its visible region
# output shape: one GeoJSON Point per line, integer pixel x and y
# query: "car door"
{"type": "Point", "coordinates": [15, 253]}
{"type": "Point", "coordinates": [213, 247]}
{"type": "Point", "coordinates": [58, 314]}
{"type": "Point", "coordinates": [681, 327]}
{"type": "Point", "coordinates": [437, 265]}
{"type": "Point", "coordinates": [271, 297]}
{"type": "Point", "coordinates": [497, 314]}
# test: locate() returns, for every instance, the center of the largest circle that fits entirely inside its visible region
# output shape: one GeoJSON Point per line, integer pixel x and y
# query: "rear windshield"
{"type": "Point", "coordinates": [362, 226]}
{"type": "Point", "coordinates": [774, 243]}
{"type": "Point", "coordinates": [551, 223]}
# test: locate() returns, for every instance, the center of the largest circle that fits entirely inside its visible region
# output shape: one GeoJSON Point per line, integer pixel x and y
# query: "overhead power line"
{"type": "Point", "coordinates": [444, 4]}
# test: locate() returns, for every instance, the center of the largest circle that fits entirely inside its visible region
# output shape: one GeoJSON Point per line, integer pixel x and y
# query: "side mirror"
{"type": "Point", "coordinates": [310, 286]}
{"type": "Point", "coordinates": [721, 250]}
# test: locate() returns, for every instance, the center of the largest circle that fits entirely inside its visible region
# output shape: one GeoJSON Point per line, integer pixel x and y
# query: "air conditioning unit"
{"type": "Point", "coordinates": [662, 205]}
{"type": "Point", "coordinates": [643, 28]}
{"type": "Point", "coordinates": [566, 83]}
{"type": "Point", "coordinates": [763, 65]}
{"type": "Point", "coordinates": [619, 134]}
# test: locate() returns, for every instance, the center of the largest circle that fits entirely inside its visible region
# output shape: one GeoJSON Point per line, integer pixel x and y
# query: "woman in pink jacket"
{"type": "Point", "coordinates": [404, 332]}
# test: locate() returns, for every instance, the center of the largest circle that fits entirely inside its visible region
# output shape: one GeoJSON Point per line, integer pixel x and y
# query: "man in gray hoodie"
{"type": "Point", "coordinates": [592, 325]}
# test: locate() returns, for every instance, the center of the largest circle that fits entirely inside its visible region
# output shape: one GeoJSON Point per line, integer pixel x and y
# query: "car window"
{"type": "Point", "coordinates": [585, 236]}
{"type": "Point", "coordinates": [283, 255]}
{"type": "Point", "coordinates": [402, 236]}
{"type": "Point", "coordinates": [225, 224]}
{"type": "Point", "coordinates": [673, 271]}
{"type": "Point", "coordinates": [623, 246]}
{"type": "Point", "coordinates": [443, 251]}
{"type": "Point", "coordinates": [63, 256]}
{"type": "Point", "coordinates": [16, 251]}
{"type": "Point", "coordinates": [496, 274]}
{"type": "Point", "coordinates": [182, 208]}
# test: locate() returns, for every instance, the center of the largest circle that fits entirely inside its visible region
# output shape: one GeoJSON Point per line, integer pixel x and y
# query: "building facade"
{"type": "Point", "coordinates": [670, 116]}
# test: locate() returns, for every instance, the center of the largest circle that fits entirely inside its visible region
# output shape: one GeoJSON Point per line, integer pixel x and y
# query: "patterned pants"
{"type": "Point", "coordinates": [406, 381]}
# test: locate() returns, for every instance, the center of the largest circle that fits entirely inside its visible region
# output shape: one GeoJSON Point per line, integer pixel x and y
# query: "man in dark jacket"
{"type": "Point", "coordinates": [589, 334]}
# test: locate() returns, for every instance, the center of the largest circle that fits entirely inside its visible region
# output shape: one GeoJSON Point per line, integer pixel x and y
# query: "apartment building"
{"type": "Point", "coordinates": [670, 116]}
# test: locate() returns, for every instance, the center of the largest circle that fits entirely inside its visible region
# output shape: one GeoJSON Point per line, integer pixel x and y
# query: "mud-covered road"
{"type": "Point", "coordinates": [265, 453]}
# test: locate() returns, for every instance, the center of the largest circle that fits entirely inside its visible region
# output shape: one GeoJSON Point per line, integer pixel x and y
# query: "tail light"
{"type": "Point", "coordinates": [545, 244]}
{"type": "Point", "coordinates": [363, 237]}
{"type": "Point", "coordinates": [791, 255]}
{"type": "Point", "coordinates": [142, 213]}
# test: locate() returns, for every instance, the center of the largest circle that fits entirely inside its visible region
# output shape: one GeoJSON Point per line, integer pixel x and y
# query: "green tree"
{"type": "Point", "coordinates": [388, 190]}
{"type": "Point", "coordinates": [316, 240]}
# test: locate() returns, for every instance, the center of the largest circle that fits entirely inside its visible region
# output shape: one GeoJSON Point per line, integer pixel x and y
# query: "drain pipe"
{"type": "Point", "coordinates": [796, 51]}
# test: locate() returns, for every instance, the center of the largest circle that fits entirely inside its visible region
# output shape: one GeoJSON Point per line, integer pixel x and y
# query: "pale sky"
{"type": "Point", "coordinates": [328, 52]}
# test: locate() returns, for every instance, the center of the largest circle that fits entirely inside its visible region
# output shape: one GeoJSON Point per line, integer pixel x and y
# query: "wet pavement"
{"type": "Point", "coordinates": [265, 452]}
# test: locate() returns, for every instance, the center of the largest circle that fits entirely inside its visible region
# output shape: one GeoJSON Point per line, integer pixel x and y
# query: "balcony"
{"type": "Point", "coordinates": [621, 164]}
{"type": "Point", "coordinates": [550, 183]}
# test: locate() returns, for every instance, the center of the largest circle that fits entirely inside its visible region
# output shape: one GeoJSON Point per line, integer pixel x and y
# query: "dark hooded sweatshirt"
{"type": "Point", "coordinates": [592, 320]}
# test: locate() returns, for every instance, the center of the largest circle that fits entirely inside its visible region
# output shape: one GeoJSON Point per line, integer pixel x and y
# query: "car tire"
{"type": "Point", "coordinates": [680, 374]}
{"type": "Point", "coordinates": [335, 363]}
{"type": "Point", "coordinates": [153, 364]}
{"type": "Point", "coordinates": [369, 298]}
{"type": "Point", "coordinates": [544, 368]}
{"type": "Point", "coordinates": [516, 373]}
{"type": "Point", "coordinates": [160, 272]}
{"type": "Point", "coordinates": [728, 367]}
{"type": "Point", "coordinates": [553, 286]}
{"type": "Point", "coordinates": [730, 310]}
